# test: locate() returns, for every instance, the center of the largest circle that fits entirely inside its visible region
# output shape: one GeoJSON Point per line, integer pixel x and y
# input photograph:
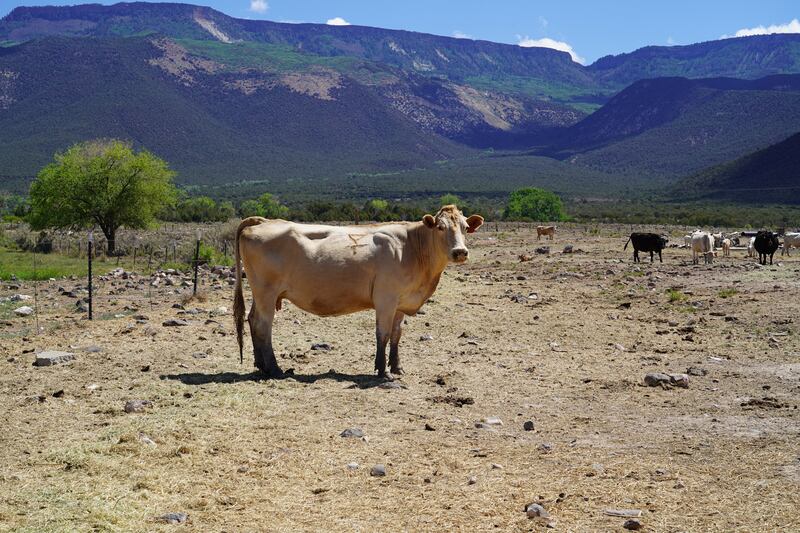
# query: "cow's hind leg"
{"type": "Point", "coordinates": [651, 256]}
{"type": "Point", "coordinates": [260, 319]}
{"type": "Point", "coordinates": [394, 354]}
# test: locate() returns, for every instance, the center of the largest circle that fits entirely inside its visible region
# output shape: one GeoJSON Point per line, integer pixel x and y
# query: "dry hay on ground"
{"type": "Point", "coordinates": [562, 340]}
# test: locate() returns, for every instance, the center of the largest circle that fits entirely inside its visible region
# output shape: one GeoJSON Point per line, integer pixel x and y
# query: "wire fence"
{"type": "Point", "coordinates": [151, 269]}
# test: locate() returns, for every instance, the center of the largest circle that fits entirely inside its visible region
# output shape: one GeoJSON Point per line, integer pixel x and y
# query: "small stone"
{"type": "Point", "coordinates": [654, 379]}
{"type": "Point", "coordinates": [93, 349]}
{"type": "Point", "coordinates": [679, 380]}
{"type": "Point", "coordinates": [535, 510]}
{"type": "Point", "coordinates": [625, 513]}
{"type": "Point", "coordinates": [352, 466]}
{"type": "Point", "coordinates": [429, 427]}
{"type": "Point", "coordinates": [51, 358]}
{"type": "Point", "coordinates": [137, 406]}
{"type": "Point", "coordinates": [219, 311]}
{"type": "Point", "coordinates": [391, 385]}
{"type": "Point", "coordinates": [174, 322]}
{"type": "Point", "coordinates": [174, 518]}
{"type": "Point", "coordinates": [632, 524]}
{"type": "Point", "coordinates": [323, 346]}
{"type": "Point", "coordinates": [472, 480]}
{"type": "Point", "coordinates": [696, 371]}
{"type": "Point", "coordinates": [426, 337]}
{"type": "Point", "coordinates": [545, 447]}
{"type": "Point", "coordinates": [23, 311]}
{"type": "Point", "coordinates": [496, 466]}
{"type": "Point", "coordinates": [378, 470]}
{"type": "Point", "coordinates": [147, 441]}
{"type": "Point", "coordinates": [352, 432]}
{"type": "Point", "coordinates": [619, 347]}
{"type": "Point", "coordinates": [568, 249]}
{"type": "Point", "coordinates": [492, 421]}
{"type": "Point", "coordinates": [20, 298]}
{"type": "Point", "coordinates": [528, 425]}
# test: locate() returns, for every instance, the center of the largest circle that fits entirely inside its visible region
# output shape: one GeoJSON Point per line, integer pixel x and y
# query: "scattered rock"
{"type": "Point", "coordinates": [426, 337]}
{"type": "Point", "coordinates": [20, 298]}
{"type": "Point", "coordinates": [625, 513]}
{"type": "Point", "coordinates": [391, 385]}
{"type": "Point", "coordinates": [321, 346]}
{"type": "Point", "coordinates": [528, 425]}
{"type": "Point", "coordinates": [51, 358]}
{"type": "Point", "coordinates": [429, 427]}
{"type": "Point", "coordinates": [696, 371]}
{"type": "Point", "coordinates": [492, 421]}
{"type": "Point", "coordinates": [472, 480]}
{"type": "Point", "coordinates": [632, 524]}
{"type": "Point", "coordinates": [174, 518]}
{"type": "Point", "coordinates": [568, 249]}
{"type": "Point", "coordinates": [137, 406]}
{"type": "Point", "coordinates": [147, 441]}
{"type": "Point", "coordinates": [545, 447]}
{"type": "Point", "coordinates": [378, 470]}
{"type": "Point", "coordinates": [534, 510]}
{"type": "Point", "coordinates": [496, 466]}
{"type": "Point", "coordinates": [352, 432]}
{"type": "Point", "coordinates": [59, 393]}
{"type": "Point", "coordinates": [543, 250]}
{"type": "Point", "coordinates": [654, 379]}
{"type": "Point", "coordinates": [93, 349]}
{"type": "Point", "coordinates": [679, 380]}
{"type": "Point", "coordinates": [352, 466]}
{"type": "Point", "coordinates": [25, 310]}
{"type": "Point", "coordinates": [174, 322]}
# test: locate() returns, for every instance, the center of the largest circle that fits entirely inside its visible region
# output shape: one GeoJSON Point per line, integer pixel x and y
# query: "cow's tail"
{"type": "Point", "coordinates": [238, 297]}
{"type": "Point", "coordinates": [626, 244]}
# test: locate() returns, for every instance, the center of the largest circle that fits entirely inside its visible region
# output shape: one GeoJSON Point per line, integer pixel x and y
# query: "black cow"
{"type": "Point", "coordinates": [766, 243]}
{"type": "Point", "coordinates": [646, 242]}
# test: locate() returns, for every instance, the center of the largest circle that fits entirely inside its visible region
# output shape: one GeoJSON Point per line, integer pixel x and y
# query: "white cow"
{"type": "Point", "coordinates": [702, 244]}
{"type": "Point", "coordinates": [751, 248]}
{"type": "Point", "coordinates": [789, 240]}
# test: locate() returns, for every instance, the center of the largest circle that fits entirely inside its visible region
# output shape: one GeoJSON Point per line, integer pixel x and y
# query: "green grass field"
{"type": "Point", "coordinates": [20, 265]}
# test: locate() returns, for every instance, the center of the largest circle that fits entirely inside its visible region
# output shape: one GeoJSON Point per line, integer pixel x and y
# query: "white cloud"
{"type": "Point", "coordinates": [259, 6]}
{"type": "Point", "coordinates": [789, 27]}
{"type": "Point", "coordinates": [337, 21]}
{"type": "Point", "coordinates": [461, 35]}
{"type": "Point", "coordinates": [670, 40]}
{"type": "Point", "coordinates": [547, 42]}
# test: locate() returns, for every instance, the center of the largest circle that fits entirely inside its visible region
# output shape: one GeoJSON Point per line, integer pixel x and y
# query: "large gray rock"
{"type": "Point", "coordinates": [51, 358]}
{"type": "Point", "coordinates": [25, 310]}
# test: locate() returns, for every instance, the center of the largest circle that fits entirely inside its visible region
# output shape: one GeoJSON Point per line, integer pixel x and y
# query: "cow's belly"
{"type": "Point", "coordinates": [330, 292]}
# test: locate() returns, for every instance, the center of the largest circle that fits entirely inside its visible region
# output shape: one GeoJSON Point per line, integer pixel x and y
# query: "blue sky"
{"type": "Point", "coordinates": [588, 29]}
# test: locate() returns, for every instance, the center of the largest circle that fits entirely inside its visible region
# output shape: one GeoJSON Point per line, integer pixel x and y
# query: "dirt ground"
{"type": "Point", "coordinates": [561, 340]}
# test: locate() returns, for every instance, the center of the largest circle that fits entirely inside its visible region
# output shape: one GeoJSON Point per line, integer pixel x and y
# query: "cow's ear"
{"type": "Point", "coordinates": [429, 221]}
{"type": "Point", "coordinates": [473, 223]}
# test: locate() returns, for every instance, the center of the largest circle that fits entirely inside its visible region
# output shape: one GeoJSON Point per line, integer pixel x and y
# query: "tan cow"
{"type": "Point", "coordinates": [726, 247]}
{"type": "Point", "coordinates": [335, 270]}
{"type": "Point", "coordinates": [545, 230]}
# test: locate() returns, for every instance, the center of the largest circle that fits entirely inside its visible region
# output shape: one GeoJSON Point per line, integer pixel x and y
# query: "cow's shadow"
{"type": "Point", "coordinates": [361, 381]}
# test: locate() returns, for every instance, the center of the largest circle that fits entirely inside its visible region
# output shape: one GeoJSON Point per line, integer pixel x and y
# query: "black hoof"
{"type": "Point", "coordinates": [273, 373]}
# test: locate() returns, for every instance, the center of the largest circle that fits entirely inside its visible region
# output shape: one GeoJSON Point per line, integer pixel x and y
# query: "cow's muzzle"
{"type": "Point", "coordinates": [460, 255]}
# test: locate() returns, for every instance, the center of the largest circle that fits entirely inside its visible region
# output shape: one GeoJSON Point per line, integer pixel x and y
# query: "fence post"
{"type": "Point", "coordinates": [196, 261]}
{"type": "Point", "coordinates": [90, 242]}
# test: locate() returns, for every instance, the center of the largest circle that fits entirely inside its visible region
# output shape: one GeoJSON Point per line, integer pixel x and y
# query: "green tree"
{"type": "Point", "coordinates": [103, 183]}
{"type": "Point", "coordinates": [272, 207]}
{"type": "Point", "coordinates": [450, 199]}
{"type": "Point", "coordinates": [251, 208]}
{"type": "Point", "coordinates": [534, 204]}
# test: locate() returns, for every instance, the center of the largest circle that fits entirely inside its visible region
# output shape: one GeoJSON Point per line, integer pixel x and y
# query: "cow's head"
{"type": "Point", "coordinates": [450, 226]}
{"type": "Point", "coordinates": [664, 240]}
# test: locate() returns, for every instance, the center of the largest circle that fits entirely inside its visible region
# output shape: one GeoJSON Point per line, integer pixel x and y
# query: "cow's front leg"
{"type": "Point", "coordinates": [260, 320]}
{"type": "Point", "coordinates": [384, 318]}
{"type": "Point", "coordinates": [394, 354]}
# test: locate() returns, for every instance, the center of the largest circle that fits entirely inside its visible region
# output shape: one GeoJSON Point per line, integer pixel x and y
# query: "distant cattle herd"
{"type": "Point", "coordinates": [703, 244]}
